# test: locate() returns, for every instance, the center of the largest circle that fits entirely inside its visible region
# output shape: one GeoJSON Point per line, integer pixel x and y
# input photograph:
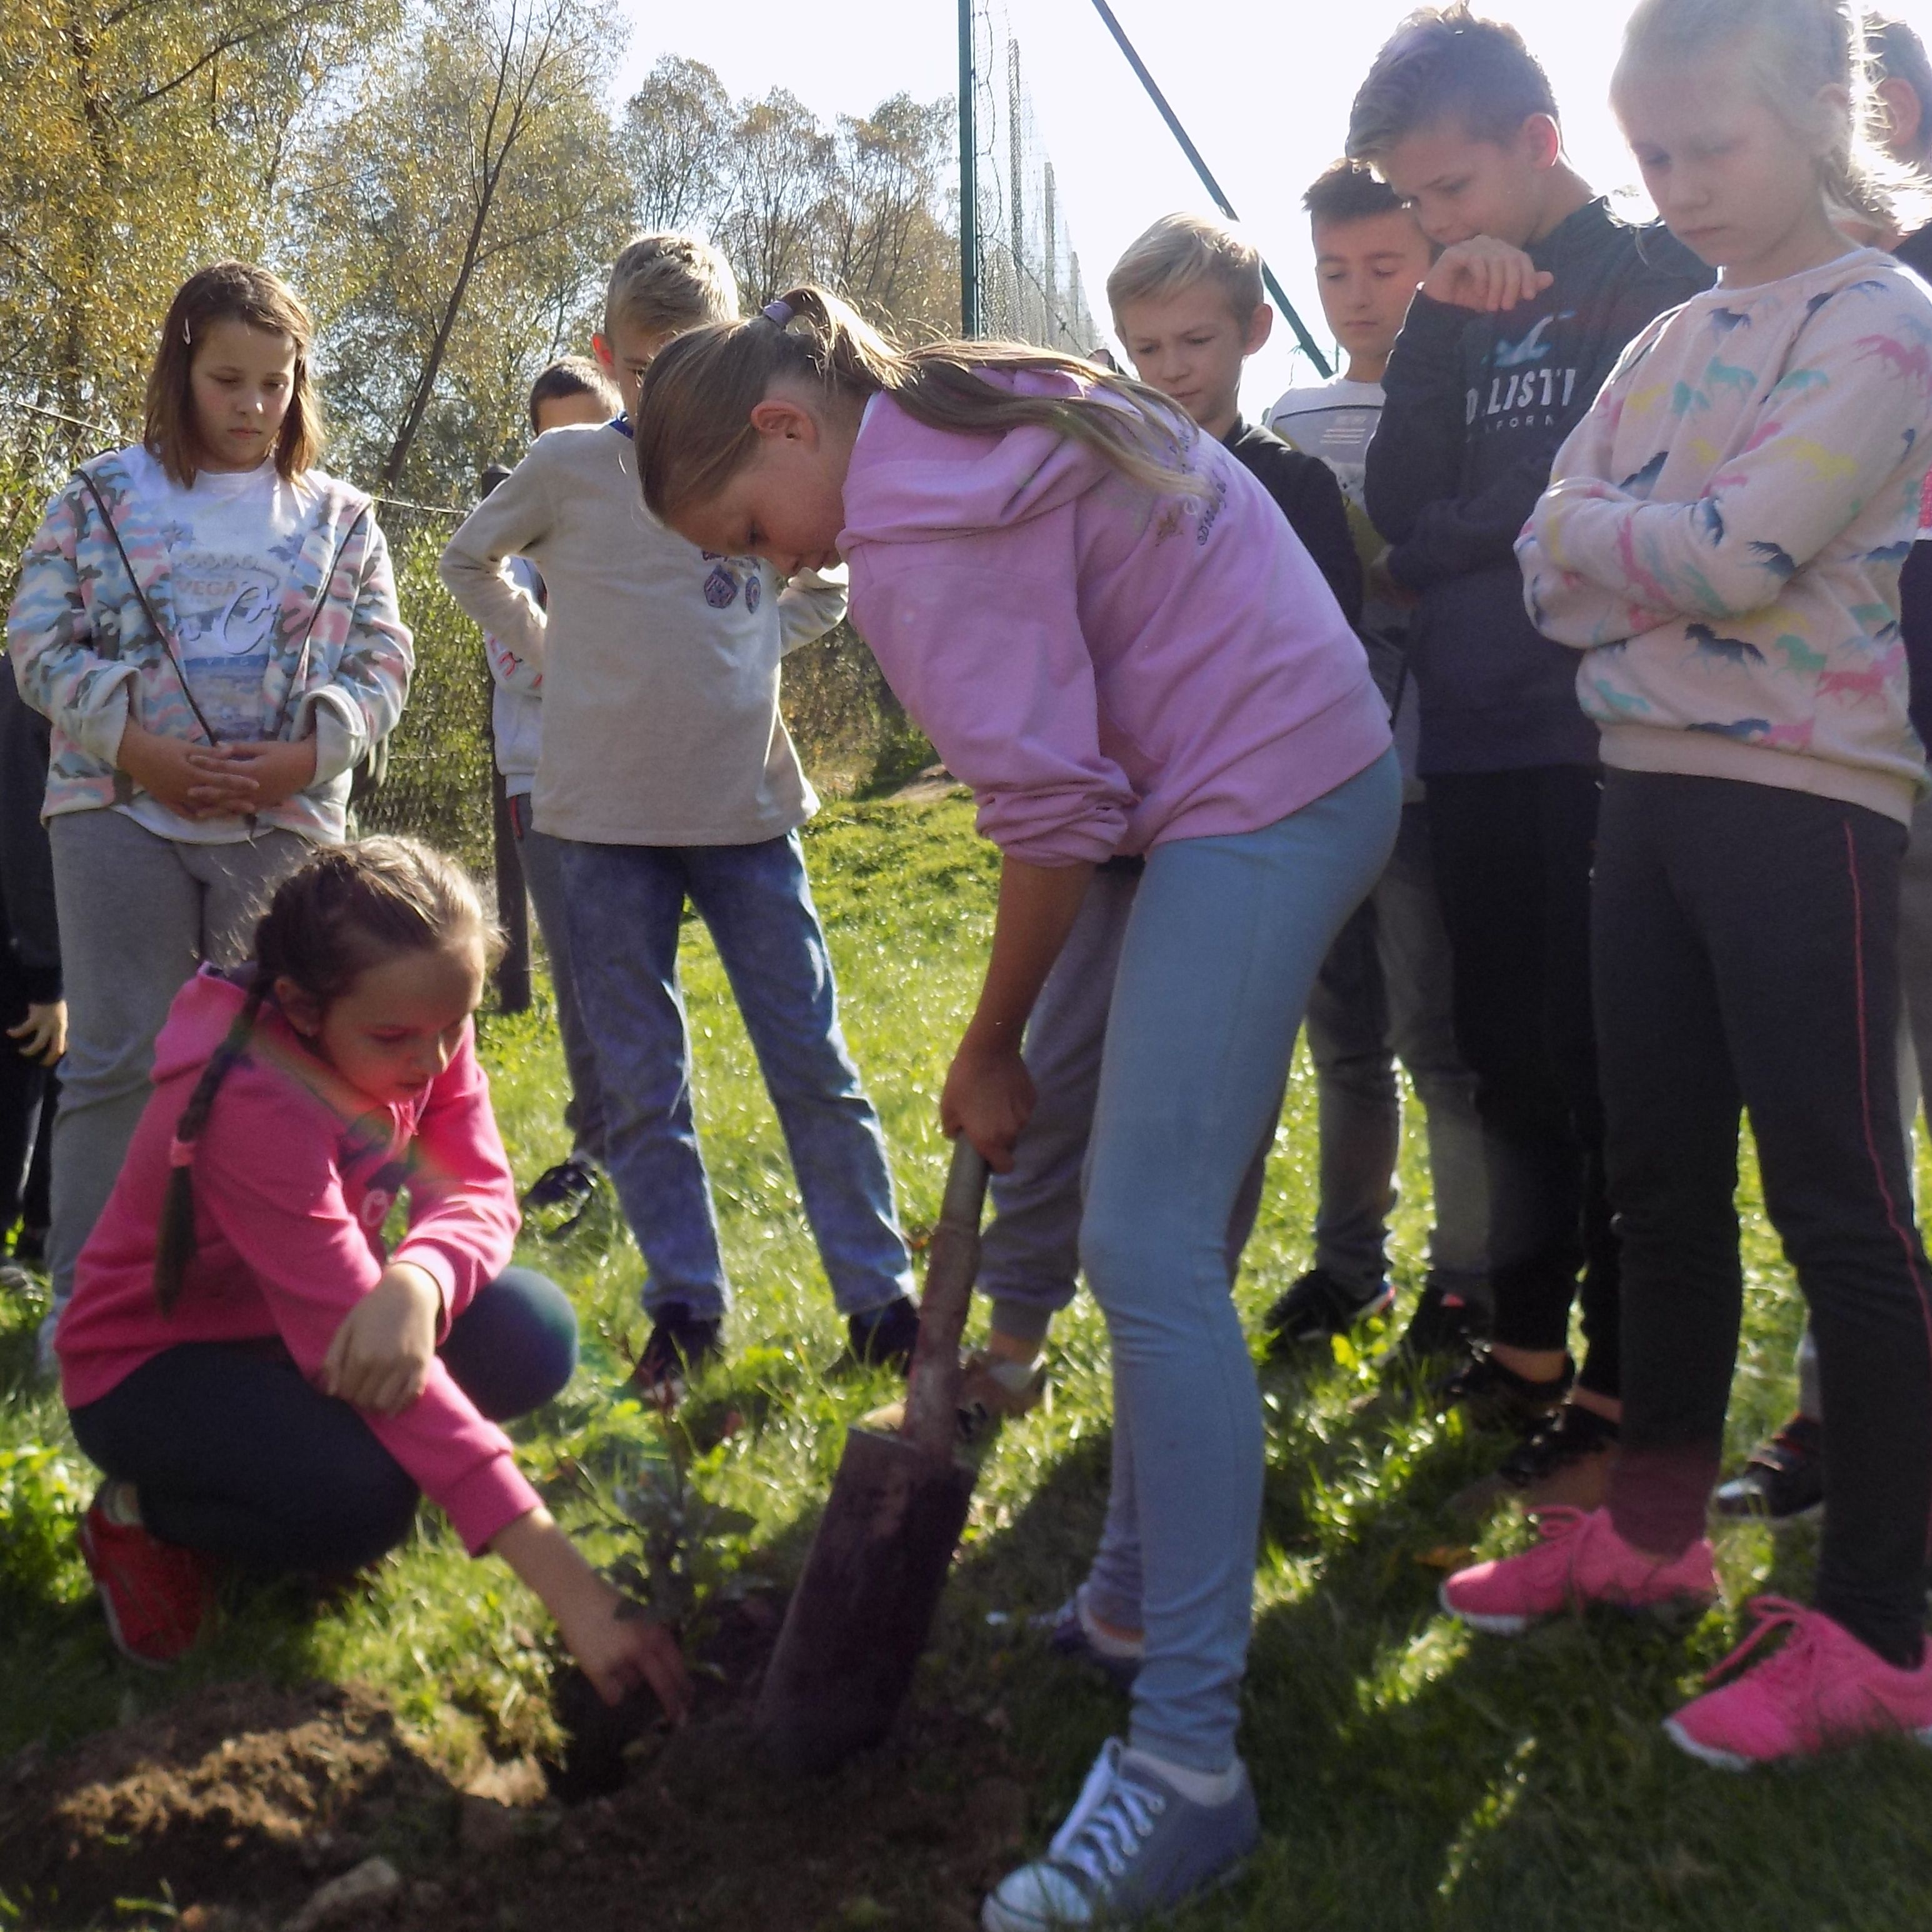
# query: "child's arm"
{"type": "Point", "coordinates": [520, 675]}
{"type": "Point", "coordinates": [513, 517]}
{"type": "Point", "coordinates": [810, 605]}
{"type": "Point", "coordinates": [26, 860]}
{"type": "Point", "coordinates": [359, 706]}
{"type": "Point", "coordinates": [50, 638]}
{"type": "Point", "coordinates": [1319, 517]}
{"type": "Point", "coordinates": [1840, 428]}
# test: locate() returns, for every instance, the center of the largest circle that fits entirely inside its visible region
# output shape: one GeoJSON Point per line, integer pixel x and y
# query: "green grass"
{"type": "Point", "coordinates": [1409, 1775]}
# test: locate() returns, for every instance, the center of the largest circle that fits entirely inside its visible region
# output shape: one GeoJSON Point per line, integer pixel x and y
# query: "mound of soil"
{"type": "Point", "coordinates": [240, 1793]}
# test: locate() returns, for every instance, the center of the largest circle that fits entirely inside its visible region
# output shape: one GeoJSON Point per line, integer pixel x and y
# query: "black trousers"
{"type": "Point", "coordinates": [1513, 856]}
{"type": "Point", "coordinates": [1746, 956]}
{"type": "Point", "coordinates": [27, 1091]}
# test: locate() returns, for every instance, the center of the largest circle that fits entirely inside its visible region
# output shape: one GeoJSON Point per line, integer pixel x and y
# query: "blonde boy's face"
{"type": "Point", "coordinates": [625, 352]}
{"type": "Point", "coordinates": [569, 411]}
{"type": "Point", "coordinates": [1190, 347]}
{"type": "Point", "coordinates": [1367, 271]}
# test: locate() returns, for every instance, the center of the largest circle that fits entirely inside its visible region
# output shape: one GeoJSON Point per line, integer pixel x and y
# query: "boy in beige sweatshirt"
{"type": "Point", "coordinates": [666, 775]}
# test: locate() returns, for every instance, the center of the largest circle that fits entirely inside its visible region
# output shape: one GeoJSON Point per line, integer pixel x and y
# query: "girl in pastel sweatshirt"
{"type": "Point", "coordinates": [261, 1381]}
{"type": "Point", "coordinates": [1111, 634]}
{"type": "Point", "coordinates": [1721, 540]}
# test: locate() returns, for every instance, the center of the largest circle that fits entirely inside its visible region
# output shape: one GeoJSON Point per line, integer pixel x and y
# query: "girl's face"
{"type": "Point", "coordinates": [1735, 182]}
{"type": "Point", "coordinates": [786, 502]}
{"type": "Point", "coordinates": [241, 379]}
{"type": "Point", "coordinates": [399, 1025]}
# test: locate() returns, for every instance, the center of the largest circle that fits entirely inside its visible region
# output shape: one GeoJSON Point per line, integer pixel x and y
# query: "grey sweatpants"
{"type": "Point", "coordinates": [138, 913]}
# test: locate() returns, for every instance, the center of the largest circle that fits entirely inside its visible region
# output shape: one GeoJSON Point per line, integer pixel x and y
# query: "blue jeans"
{"type": "Point", "coordinates": [544, 877]}
{"type": "Point", "coordinates": [233, 1450]}
{"type": "Point", "coordinates": [1225, 939]}
{"type": "Point", "coordinates": [624, 904]}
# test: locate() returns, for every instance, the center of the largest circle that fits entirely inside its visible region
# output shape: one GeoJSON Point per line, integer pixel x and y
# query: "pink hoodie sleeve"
{"type": "Point", "coordinates": [462, 1201]}
{"type": "Point", "coordinates": [266, 1177]}
{"type": "Point", "coordinates": [992, 664]}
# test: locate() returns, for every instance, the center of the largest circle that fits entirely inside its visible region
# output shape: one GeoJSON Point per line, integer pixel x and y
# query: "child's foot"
{"type": "Point", "coordinates": [1566, 1462]}
{"type": "Point", "coordinates": [1074, 1630]}
{"type": "Point", "coordinates": [1823, 1687]}
{"type": "Point", "coordinates": [1580, 1559]}
{"type": "Point", "coordinates": [678, 1346]}
{"type": "Point", "coordinates": [884, 1337]}
{"type": "Point", "coordinates": [1318, 1307]}
{"type": "Point", "coordinates": [1492, 1396]}
{"type": "Point", "coordinates": [1784, 1481]}
{"type": "Point", "coordinates": [564, 1190]}
{"type": "Point", "coordinates": [1446, 1325]}
{"type": "Point", "coordinates": [1133, 1845]}
{"type": "Point", "coordinates": [156, 1595]}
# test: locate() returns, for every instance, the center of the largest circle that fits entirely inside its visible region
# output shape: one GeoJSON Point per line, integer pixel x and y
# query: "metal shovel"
{"type": "Point", "coordinates": [864, 1605]}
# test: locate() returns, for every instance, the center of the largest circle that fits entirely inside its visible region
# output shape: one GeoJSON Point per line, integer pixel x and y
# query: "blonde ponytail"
{"type": "Point", "coordinates": [693, 422]}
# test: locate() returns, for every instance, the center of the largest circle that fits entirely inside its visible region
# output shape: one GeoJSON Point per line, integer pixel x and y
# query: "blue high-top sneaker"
{"type": "Point", "coordinates": [1131, 1846]}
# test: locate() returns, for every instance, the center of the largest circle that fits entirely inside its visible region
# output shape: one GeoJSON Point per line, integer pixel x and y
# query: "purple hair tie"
{"type": "Point", "coordinates": [779, 312]}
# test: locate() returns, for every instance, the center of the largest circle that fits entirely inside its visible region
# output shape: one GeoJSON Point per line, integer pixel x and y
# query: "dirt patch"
{"type": "Point", "coordinates": [236, 1805]}
{"type": "Point", "coordinates": [240, 1793]}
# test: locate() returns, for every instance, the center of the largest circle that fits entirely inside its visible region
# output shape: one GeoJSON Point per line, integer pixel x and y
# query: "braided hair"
{"type": "Point", "coordinates": [346, 908]}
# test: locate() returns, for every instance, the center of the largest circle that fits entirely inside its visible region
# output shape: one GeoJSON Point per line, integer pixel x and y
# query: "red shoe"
{"type": "Point", "coordinates": [1581, 1559]}
{"type": "Point", "coordinates": [1823, 1687]}
{"type": "Point", "coordinates": [157, 1596]}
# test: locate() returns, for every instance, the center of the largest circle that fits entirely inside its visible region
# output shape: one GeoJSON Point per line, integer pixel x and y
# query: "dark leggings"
{"type": "Point", "coordinates": [232, 1450]}
{"type": "Point", "coordinates": [1746, 956]}
{"type": "Point", "coordinates": [1512, 854]}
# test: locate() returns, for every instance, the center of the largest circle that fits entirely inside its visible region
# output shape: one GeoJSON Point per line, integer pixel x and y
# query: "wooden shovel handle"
{"type": "Point", "coordinates": [952, 1264]}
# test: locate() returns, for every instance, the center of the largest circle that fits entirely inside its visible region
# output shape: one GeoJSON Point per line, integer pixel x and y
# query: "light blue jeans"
{"type": "Point", "coordinates": [1226, 937]}
{"type": "Point", "coordinates": [623, 904]}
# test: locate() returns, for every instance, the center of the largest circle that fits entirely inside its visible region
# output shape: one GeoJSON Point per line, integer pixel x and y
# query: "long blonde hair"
{"type": "Point", "coordinates": [694, 419]}
{"type": "Point", "coordinates": [1792, 50]}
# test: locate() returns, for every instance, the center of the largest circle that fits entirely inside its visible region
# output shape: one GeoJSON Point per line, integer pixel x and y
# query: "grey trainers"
{"type": "Point", "coordinates": [1132, 1845]}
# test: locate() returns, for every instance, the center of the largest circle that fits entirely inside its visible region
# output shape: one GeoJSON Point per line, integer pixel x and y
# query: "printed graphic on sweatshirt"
{"type": "Point", "coordinates": [728, 576]}
{"type": "Point", "coordinates": [1525, 389]}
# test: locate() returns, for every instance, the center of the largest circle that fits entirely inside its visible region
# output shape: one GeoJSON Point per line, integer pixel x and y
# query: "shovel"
{"type": "Point", "coordinates": [864, 1606]}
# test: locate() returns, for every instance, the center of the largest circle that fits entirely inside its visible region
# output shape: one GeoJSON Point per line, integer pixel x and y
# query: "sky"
{"type": "Point", "coordinates": [1263, 89]}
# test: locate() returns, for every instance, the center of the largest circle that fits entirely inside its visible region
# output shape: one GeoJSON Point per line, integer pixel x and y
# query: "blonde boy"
{"type": "Point", "coordinates": [665, 775]}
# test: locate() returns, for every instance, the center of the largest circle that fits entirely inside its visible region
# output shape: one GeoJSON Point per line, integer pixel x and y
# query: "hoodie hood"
{"type": "Point", "coordinates": [899, 494]}
{"type": "Point", "coordinates": [203, 1011]}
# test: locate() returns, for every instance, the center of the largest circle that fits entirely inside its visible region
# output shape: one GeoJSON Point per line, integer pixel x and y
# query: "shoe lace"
{"type": "Point", "coordinates": [1775, 1613]}
{"type": "Point", "coordinates": [1106, 1827]}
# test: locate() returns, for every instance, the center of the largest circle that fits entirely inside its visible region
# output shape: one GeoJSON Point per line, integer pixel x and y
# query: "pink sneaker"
{"type": "Point", "coordinates": [158, 1596]}
{"type": "Point", "coordinates": [1823, 1687]}
{"type": "Point", "coordinates": [1580, 1560]}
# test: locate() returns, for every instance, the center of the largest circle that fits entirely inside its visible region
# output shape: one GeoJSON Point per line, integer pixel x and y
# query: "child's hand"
{"type": "Point", "coordinates": [195, 780]}
{"type": "Point", "coordinates": [615, 1645]}
{"type": "Point", "coordinates": [272, 771]}
{"type": "Point", "coordinates": [1484, 275]}
{"type": "Point", "coordinates": [43, 1034]}
{"type": "Point", "coordinates": [380, 1356]}
{"type": "Point", "coordinates": [989, 1097]}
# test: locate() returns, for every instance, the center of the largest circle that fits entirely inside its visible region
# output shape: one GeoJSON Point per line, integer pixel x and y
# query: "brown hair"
{"type": "Point", "coordinates": [694, 420]}
{"type": "Point", "coordinates": [1446, 64]}
{"type": "Point", "coordinates": [574, 375]}
{"type": "Point", "coordinates": [667, 281]}
{"type": "Point", "coordinates": [1894, 52]}
{"type": "Point", "coordinates": [1790, 51]}
{"type": "Point", "coordinates": [346, 908]}
{"type": "Point", "coordinates": [229, 292]}
{"type": "Point", "coordinates": [1350, 191]}
{"type": "Point", "coordinates": [1179, 250]}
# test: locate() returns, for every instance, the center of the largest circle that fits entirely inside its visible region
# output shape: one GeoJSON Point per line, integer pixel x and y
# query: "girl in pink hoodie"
{"type": "Point", "coordinates": [1111, 634]}
{"type": "Point", "coordinates": [259, 1379]}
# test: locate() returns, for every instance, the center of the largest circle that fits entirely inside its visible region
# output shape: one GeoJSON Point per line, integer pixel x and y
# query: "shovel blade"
{"type": "Point", "coordinates": [864, 1606]}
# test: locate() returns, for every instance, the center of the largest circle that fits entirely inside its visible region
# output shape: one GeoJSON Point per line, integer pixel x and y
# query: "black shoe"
{"type": "Point", "coordinates": [1494, 1397]}
{"type": "Point", "coordinates": [680, 1346]}
{"type": "Point", "coordinates": [1318, 1306]}
{"type": "Point", "coordinates": [1566, 1461]}
{"type": "Point", "coordinates": [885, 1337]}
{"type": "Point", "coordinates": [566, 1188]}
{"type": "Point", "coordinates": [1784, 1479]}
{"type": "Point", "coordinates": [1445, 1325]}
